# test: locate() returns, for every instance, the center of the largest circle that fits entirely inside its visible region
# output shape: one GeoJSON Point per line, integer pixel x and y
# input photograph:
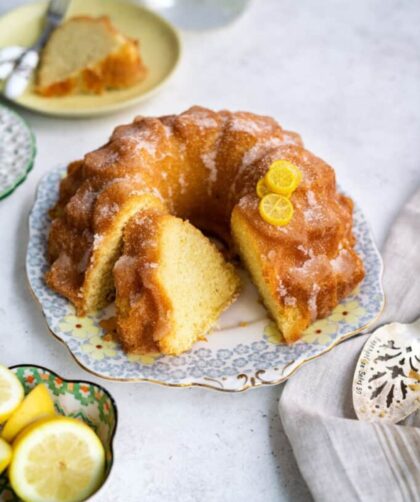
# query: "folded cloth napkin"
{"type": "Point", "coordinates": [340, 457]}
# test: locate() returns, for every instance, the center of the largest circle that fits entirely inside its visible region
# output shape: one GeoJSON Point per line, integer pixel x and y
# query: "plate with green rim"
{"type": "Point", "coordinates": [160, 49]}
{"type": "Point", "coordinates": [17, 151]}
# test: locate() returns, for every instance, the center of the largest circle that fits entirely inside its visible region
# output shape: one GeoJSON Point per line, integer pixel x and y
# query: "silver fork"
{"type": "Point", "coordinates": [27, 63]}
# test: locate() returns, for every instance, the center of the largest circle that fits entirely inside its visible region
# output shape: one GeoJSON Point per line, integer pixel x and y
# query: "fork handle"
{"type": "Point", "coordinates": [11, 54]}
{"type": "Point", "coordinates": [21, 75]}
{"type": "Point", "coordinates": [8, 58]}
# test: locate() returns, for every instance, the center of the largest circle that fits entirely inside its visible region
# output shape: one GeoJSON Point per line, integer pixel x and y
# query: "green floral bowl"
{"type": "Point", "coordinates": [86, 401]}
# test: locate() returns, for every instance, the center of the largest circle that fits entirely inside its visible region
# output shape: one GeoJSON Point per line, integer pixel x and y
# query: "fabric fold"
{"type": "Point", "coordinates": [340, 457]}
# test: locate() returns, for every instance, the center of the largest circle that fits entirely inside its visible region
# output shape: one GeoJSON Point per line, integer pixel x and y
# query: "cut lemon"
{"type": "Point", "coordinates": [276, 209]}
{"type": "Point", "coordinates": [5, 454]}
{"type": "Point", "coordinates": [283, 177]}
{"type": "Point", "coordinates": [262, 188]}
{"type": "Point", "coordinates": [57, 459]}
{"type": "Point", "coordinates": [11, 393]}
{"type": "Point", "coordinates": [37, 404]}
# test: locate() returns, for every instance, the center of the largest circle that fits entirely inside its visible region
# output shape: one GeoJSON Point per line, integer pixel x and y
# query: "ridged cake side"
{"type": "Point", "coordinates": [204, 167]}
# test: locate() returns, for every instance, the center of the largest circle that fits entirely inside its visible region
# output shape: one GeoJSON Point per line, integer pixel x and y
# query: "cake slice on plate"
{"type": "Point", "coordinates": [88, 55]}
{"type": "Point", "coordinates": [172, 283]}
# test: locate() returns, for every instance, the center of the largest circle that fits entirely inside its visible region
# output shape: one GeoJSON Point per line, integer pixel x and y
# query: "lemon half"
{"type": "Point", "coordinates": [57, 459]}
{"type": "Point", "coordinates": [5, 454]}
{"type": "Point", "coordinates": [11, 393]}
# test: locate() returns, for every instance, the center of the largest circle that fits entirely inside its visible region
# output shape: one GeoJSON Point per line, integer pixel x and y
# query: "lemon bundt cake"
{"type": "Point", "coordinates": [172, 283]}
{"type": "Point", "coordinates": [204, 166]}
{"type": "Point", "coordinates": [88, 55]}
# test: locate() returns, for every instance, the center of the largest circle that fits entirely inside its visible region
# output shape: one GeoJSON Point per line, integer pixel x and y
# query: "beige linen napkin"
{"type": "Point", "coordinates": [341, 458]}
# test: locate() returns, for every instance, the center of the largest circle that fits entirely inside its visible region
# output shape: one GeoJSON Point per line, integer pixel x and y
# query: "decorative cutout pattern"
{"type": "Point", "coordinates": [386, 385]}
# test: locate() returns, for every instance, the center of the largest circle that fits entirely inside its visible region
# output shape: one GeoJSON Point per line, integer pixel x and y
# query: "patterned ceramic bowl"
{"type": "Point", "coordinates": [73, 398]}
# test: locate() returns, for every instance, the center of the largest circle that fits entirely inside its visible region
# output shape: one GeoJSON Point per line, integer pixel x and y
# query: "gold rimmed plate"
{"type": "Point", "coordinates": [160, 49]}
{"type": "Point", "coordinates": [244, 351]}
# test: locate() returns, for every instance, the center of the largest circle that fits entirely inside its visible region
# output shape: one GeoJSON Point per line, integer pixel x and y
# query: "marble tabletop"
{"type": "Point", "coordinates": [346, 75]}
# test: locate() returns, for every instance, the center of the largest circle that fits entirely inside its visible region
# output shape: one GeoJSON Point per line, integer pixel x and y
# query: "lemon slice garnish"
{"type": "Point", "coordinates": [276, 209]}
{"type": "Point", "coordinates": [57, 459]}
{"type": "Point", "coordinates": [262, 188]}
{"type": "Point", "coordinates": [37, 404]}
{"type": "Point", "coordinates": [11, 393]}
{"type": "Point", "coordinates": [283, 177]}
{"type": "Point", "coordinates": [5, 454]}
{"type": "Point", "coordinates": [284, 162]}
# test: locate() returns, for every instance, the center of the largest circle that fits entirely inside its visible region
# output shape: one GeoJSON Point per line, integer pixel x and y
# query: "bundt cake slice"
{"type": "Point", "coordinates": [172, 283]}
{"type": "Point", "coordinates": [88, 55]}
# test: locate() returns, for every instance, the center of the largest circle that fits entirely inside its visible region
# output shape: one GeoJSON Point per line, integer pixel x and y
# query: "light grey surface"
{"type": "Point", "coordinates": [346, 75]}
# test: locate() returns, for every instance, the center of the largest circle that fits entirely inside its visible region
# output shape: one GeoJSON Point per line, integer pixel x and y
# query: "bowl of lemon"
{"type": "Point", "coordinates": [56, 436]}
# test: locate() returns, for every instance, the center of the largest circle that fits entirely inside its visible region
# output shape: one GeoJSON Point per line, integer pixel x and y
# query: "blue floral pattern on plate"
{"type": "Point", "coordinates": [244, 351]}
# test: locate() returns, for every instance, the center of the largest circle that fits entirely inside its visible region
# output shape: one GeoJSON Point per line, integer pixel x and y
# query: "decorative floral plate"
{"type": "Point", "coordinates": [245, 350]}
{"type": "Point", "coordinates": [17, 151]}
{"type": "Point", "coordinates": [73, 398]}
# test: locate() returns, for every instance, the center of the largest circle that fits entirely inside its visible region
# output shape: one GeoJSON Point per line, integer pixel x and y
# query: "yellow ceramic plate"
{"type": "Point", "coordinates": [159, 45]}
